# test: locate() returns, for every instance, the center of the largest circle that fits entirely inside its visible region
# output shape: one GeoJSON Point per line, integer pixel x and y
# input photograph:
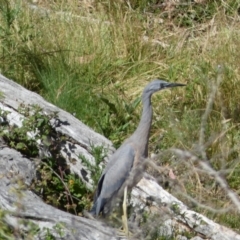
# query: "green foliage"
{"type": "Point", "coordinates": [1, 95]}
{"type": "Point", "coordinates": [190, 13]}
{"type": "Point", "coordinates": [230, 220]}
{"type": "Point", "coordinates": [6, 232]}
{"type": "Point", "coordinates": [58, 229]}
{"type": "Point", "coordinates": [233, 176]}
{"type": "Point", "coordinates": [175, 208]}
{"type": "Point", "coordinates": [16, 35]}
{"type": "Point", "coordinates": [8, 15]}
{"type": "Point", "coordinates": [99, 153]}
{"type": "Point", "coordinates": [58, 187]}
{"type": "Point", "coordinates": [142, 5]}
{"type": "Point", "coordinates": [3, 116]}
{"type": "Point", "coordinates": [119, 118]}
{"type": "Point", "coordinates": [54, 182]}
{"type": "Point", "coordinates": [35, 126]}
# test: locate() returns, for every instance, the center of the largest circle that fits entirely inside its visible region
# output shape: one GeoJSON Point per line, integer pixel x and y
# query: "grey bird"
{"type": "Point", "coordinates": [124, 166]}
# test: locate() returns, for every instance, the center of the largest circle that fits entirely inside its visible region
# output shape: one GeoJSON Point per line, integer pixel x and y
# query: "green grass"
{"type": "Point", "coordinates": [95, 62]}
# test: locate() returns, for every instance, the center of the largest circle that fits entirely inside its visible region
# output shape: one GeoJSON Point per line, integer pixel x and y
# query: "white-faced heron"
{"type": "Point", "coordinates": [123, 168]}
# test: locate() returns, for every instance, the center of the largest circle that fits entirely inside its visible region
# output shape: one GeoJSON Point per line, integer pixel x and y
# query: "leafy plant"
{"type": "Point", "coordinates": [6, 232]}
{"type": "Point", "coordinates": [35, 126]}
{"type": "Point", "coordinates": [54, 182]}
{"type": "Point", "coordinates": [99, 153]}
{"type": "Point", "coordinates": [58, 187]}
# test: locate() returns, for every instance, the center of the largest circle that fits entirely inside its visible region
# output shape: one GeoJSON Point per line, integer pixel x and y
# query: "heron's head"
{"type": "Point", "coordinates": [157, 85]}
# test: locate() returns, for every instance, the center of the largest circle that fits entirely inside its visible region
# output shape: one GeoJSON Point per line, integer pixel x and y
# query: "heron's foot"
{"type": "Point", "coordinates": [122, 233]}
{"type": "Point", "coordinates": [124, 216]}
{"type": "Point", "coordinates": [125, 225]}
{"type": "Point", "coordinates": [88, 214]}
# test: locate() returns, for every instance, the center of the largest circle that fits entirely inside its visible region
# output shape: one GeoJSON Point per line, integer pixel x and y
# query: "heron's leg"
{"type": "Point", "coordinates": [124, 217]}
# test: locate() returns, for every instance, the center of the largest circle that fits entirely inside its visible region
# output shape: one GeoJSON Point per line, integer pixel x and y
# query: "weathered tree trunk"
{"type": "Point", "coordinates": [24, 206]}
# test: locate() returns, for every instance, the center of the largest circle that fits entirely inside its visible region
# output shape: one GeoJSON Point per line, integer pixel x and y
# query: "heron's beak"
{"type": "Point", "coordinates": [170, 85]}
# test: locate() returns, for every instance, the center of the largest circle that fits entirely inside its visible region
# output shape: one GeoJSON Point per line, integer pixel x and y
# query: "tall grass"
{"type": "Point", "coordinates": [93, 59]}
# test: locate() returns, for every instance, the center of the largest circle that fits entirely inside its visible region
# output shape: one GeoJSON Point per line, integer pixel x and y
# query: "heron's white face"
{"type": "Point", "coordinates": [156, 85]}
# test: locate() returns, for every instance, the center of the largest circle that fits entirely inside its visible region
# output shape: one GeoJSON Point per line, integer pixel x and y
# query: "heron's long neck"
{"type": "Point", "coordinates": [141, 135]}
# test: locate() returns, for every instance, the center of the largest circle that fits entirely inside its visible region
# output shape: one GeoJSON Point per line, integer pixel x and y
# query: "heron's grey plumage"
{"type": "Point", "coordinates": [123, 167]}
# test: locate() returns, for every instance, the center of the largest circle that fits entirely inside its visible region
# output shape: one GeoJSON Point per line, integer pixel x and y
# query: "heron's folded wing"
{"type": "Point", "coordinates": [116, 175]}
